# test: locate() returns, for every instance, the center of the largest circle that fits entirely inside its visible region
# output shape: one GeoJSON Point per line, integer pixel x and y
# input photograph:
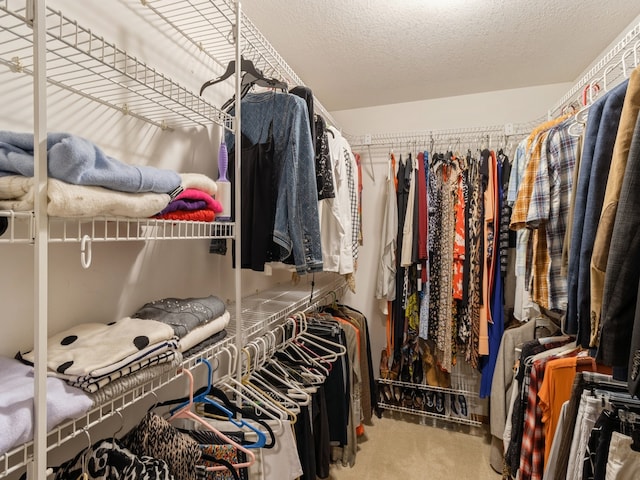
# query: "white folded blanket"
{"type": "Point", "coordinates": [203, 332]}
{"type": "Point", "coordinates": [88, 347]}
{"type": "Point", "coordinates": [69, 200]}
{"type": "Point", "coordinates": [199, 182]}
{"type": "Point", "coordinates": [16, 403]}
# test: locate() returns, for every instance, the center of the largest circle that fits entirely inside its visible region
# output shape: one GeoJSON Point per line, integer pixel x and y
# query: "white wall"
{"type": "Point", "coordinates": [485, 109]}
{"type": "Point", "coordinates": [519, 105]}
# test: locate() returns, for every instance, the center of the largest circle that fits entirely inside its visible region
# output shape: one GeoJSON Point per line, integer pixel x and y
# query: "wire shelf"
{"type": "Point", "coordinates": [114, 229]}
{"type": "Point", "coordinates": [209, 25]}
{"type": "Point", "coordinates": [20, 227]}
{"type": "Point", "coordinates": [486, 135]}
{"type": "Point", "coordinates": [260, 312]}
{"type": "Point", "coordinates": [423, 413]}
{"type": "Point", "coordinates": [80, 61]}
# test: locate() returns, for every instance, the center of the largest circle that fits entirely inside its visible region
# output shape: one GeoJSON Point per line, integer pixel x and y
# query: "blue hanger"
{"type": "Point", "coordinates": [203, 398]}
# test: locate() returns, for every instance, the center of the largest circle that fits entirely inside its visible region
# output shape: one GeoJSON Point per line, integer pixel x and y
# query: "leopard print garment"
{"type": "Point", "coordinates": [475, 231]}
{"type": "Point", "coordinates": [109, 460]}
{"type": "Point", "coordinates": [156, 437]}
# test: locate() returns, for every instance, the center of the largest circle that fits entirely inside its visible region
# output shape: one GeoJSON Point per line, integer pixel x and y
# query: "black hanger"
{"type": "Point", "coordinates": [252, 76]}
{"type": "Point", "coordinates": [245, 66]}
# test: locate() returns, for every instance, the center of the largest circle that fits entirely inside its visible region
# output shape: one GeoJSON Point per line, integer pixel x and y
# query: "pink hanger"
{"type": "Point", "coordinates": [185, 412]}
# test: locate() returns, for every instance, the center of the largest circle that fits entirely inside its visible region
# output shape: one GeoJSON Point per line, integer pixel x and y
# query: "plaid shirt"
{"type": "Point", "coordinates": [525, 192]}
{"type": "Point", "coordinates": [563, 155]}
{"type": "Point", "coordinates": [353, 200]}
{"type": "Point", "coordinates": [548, 211]}
{"type": "Point", "coordinates": [532, 450]}
{"type": "Point", "coordinates": [525, 259]}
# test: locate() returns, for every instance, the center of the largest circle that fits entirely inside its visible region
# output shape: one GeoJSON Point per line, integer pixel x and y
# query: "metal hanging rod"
{"type": "Point", "coordinates": [483, 135]}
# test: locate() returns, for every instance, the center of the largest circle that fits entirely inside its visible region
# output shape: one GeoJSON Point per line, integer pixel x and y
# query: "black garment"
{"type": "Point", "coordinates": [336, 388]}
{"type": "Point", "coordinates": [4, 223]}
{"type": "Point", "coordinates": [597, 452]}
{"type": "Point", "coordinates": [320, 427]}
{"type": "Point", "coordinates": [397, 313]}
{"type": "Point", "coordinates": [307, 95]}
{"type": "Point", "coordinates": [324, 170]}
{"type": "Point", "coordinates": [306, 444]}
{"type": "Point", "coordinates": [415, 243]}
{"type": "Point", "coordinates": [505, 214]}
{"type": "Point", "coordinates": [258, 200]}
{"type": "Point", "coordinates": [484, 182]}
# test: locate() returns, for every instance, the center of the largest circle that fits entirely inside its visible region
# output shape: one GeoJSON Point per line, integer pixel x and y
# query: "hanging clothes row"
{"type": "Point", "coordinates": [574, 210]}
{"type": "Point", "coordinates": [574, 203]}
{"type": "Point", "coordinates": [441, 271]}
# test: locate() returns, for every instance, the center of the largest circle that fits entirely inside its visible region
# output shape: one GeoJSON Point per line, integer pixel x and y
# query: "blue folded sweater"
{"type": "Point", "coordinates": [76, 160]}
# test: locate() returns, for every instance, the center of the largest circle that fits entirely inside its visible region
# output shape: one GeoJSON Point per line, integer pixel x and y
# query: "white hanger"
{"type": "Point", "coordinates": [318, 342]}
{"type": "Point", "coordinates": [261, 404]}
{"type": "Point", "coordinates": [295, 395]}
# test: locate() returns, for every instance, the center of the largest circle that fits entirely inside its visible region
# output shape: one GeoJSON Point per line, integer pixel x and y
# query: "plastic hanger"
{"type": "Point", "coordinates": [204, 398]}
{"type": "Point", "coordinates": [304, 363]}
{"type": "Point", "coordinates": [258, 399]}
{"type": "Point", "coordinates": [321, 343]}
{"type": "Point", "coordinates": [186, 413]}
{"type": "Point", "coordinates": [261, 403]}
{"type": "Point", "coordinates": [245, 66]}
{"type": "Point", "coordinates": [292, 399]}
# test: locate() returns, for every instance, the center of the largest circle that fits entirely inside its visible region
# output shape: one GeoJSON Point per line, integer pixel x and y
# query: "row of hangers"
{"type": "Point", "coordinates": [592, 90]}
{"type": "Point", "coordinates": [280, 371]}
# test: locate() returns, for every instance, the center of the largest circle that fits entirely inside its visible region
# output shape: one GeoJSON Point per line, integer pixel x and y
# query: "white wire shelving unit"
{"type": "Point", "coordinates": [80, 61]}
{"type": "Point", "coordinates": [86, 64]}
{"type": "Point", "coordinates": [260, 311]}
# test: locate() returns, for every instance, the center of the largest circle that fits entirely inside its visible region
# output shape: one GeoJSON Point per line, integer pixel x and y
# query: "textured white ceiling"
{"type": "Point", "coordinates": [357, 53]}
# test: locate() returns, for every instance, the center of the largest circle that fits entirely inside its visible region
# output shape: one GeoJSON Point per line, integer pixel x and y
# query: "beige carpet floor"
{"type": "Point", "coordinates": [405, 447]}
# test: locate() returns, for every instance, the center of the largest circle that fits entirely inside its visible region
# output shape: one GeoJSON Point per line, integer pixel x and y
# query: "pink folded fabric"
{"type": "Point", "coordinates": [195, 194]}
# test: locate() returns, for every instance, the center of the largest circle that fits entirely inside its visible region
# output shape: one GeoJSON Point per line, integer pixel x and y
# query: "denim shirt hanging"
{"type": "Point", "coordinates": [296, 227]}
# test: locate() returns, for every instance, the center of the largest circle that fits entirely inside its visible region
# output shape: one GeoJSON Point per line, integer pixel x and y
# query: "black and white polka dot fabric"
{"type": "Point", "coordinates": [87, 348]}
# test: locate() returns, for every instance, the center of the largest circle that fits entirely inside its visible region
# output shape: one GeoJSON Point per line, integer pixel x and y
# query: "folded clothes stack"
{"type": "Point", "coordinates": [92, 355]}
{"type": "Point", "coordinates": [193, 320]}
{"type": "Point", "coordinates": [84, 182]}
